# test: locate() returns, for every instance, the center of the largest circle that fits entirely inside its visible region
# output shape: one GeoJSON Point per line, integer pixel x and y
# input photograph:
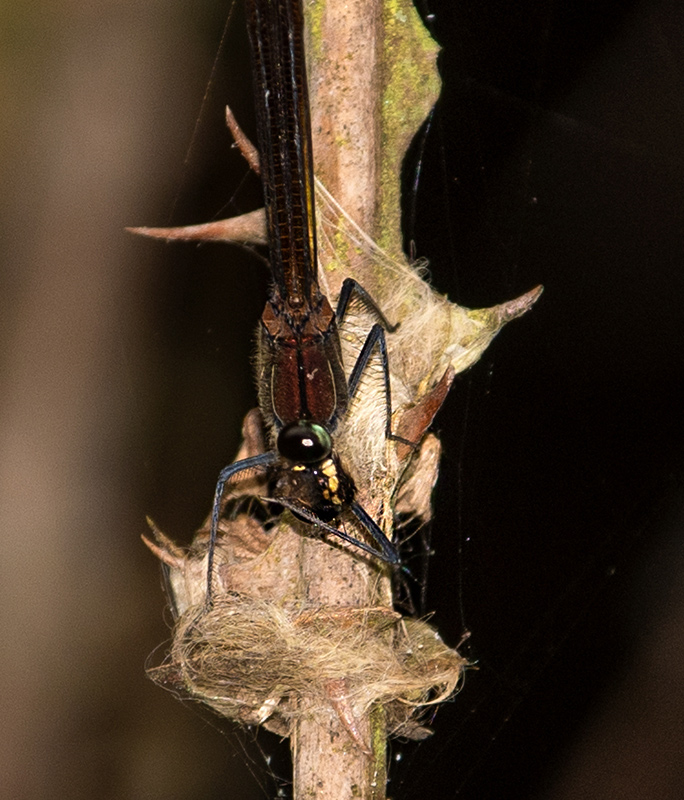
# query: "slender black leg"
{"type": "Point", "coordinates": [388, 552]}
{"type": "Point", "coordinates": [227, 473]}
{"type": "Point", "coordinates": [376, 336]}
{"type": "Point", "coordinates": [349, 287]}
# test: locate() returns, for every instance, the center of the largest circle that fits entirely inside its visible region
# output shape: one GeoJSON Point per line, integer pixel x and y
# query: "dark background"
{"type": "Point", "coordinates": [558, 145]}
{"type": "Point", "coordinates": [554, 157]}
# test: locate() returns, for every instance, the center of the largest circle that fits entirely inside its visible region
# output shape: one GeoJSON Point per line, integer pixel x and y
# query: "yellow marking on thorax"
{"type": "Point", "coordinates": [328, 468]}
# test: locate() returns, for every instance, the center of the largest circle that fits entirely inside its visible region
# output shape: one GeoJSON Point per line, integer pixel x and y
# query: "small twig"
{"type": "Point", "coordinates": [248, 150]}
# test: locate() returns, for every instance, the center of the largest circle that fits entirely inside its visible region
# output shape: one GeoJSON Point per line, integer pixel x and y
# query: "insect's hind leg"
{"type": "Point", "coordinates": [376, 336]}
{"type": "Point", "coordinates": [349, 287]}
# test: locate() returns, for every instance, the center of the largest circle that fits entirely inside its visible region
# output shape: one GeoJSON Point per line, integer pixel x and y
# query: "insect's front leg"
{"type": "Point", "coordinates": [230, 473]}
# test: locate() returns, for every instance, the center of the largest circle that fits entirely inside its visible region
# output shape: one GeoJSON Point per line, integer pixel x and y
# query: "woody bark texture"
{"type": "Point", "coordinates": [348, 56]}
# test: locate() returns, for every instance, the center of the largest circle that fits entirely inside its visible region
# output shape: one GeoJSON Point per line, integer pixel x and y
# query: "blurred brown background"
{"type": "Point", "coordinates": [99, 104]}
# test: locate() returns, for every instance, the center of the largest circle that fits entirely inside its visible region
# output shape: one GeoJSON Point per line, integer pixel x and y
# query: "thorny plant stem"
{"type": "Point", "coordinates": [302, 637]}
{"type": "Point", "coordinates": [348, 58]}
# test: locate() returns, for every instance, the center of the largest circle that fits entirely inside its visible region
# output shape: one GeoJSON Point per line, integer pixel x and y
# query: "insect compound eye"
{"type": "Point", "coordinates": [304, 441]}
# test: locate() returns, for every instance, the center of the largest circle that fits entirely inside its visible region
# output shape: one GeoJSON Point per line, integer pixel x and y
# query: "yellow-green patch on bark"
{"type": "Point", "coordinates": [410, 88]}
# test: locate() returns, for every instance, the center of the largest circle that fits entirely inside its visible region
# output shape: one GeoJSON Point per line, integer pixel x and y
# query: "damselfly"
{"type": "Point", "coordinates": [303, 390]}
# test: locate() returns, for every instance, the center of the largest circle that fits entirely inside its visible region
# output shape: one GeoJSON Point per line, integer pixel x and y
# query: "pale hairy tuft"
{"type": "Point", "coordinates": [251, 660]}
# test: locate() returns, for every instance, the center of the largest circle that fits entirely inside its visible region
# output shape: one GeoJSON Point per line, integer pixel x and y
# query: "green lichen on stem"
{"type": "Point", "coordinates": [410, 89]}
